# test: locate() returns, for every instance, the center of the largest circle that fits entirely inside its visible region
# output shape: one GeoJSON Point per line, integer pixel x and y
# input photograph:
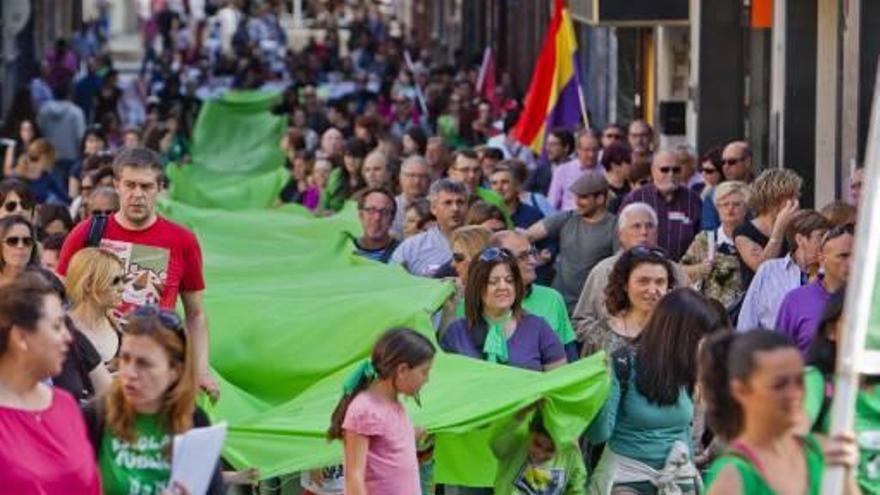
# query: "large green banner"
{"type": "Point", "coordinates": [292, 310]}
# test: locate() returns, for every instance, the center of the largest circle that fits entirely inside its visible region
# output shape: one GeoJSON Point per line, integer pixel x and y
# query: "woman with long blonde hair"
{"type": "Point", "coordinates": [153, 398]}
{"type": "Point", "coordinates": [95, 282]}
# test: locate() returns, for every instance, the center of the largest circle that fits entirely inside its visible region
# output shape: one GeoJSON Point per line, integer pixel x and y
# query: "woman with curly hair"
{"type": "Point", "coordinates": [639, 279]}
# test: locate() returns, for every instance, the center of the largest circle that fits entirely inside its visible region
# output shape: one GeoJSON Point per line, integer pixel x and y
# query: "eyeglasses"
{"type": "Point", "coordinates": [838, 231]}
{"type": "Point", "coordinates": [103, 213]}
{"type": "Point", "coordinates": [731, 161]}
{"type": "Point", "coordinates": [168, 319]}
{"type": "Point", "coordinates": [382, 212]}
{"type": "Point", "coordinates": [674, 170]}
{"type": "Point", "coordinates": [494, 253]}
{"type": "Point", "coordinates": [613, 136]}
{"type": "Point", "coordinates": [15, 241]}
{"type": "Point", "coordinates": [731, 204]}
{"type": "Point", "coordinates": [458, 257]}
{"type": "Point", "coordinates": [647, 252]}
{"type": "Point", "coordinates": [528, 253]}
{"type": "Point", "coordinates": [11, 206]}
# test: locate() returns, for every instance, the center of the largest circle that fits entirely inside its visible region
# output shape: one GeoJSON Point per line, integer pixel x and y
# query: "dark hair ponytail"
{"type": "Point", "coordinates": [395, 347]}
{"type": "Point", "coordinates": [727, 356]}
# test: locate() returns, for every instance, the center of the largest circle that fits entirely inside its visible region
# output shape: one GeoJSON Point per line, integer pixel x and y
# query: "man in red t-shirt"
{"type": "Point", "coordinates": [162, 259]}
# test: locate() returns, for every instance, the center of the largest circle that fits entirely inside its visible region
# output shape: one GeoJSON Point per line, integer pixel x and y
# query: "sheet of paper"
{"type": "Point", "coordinates": [195, 455]}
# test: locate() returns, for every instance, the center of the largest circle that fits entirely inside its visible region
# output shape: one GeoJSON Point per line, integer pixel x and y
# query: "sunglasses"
{"type": "Point", "coordinates": [11, 206]}
{"type": "Point", "coordinates": [103, 213]}
{"type": "Point", "coordinates": [15, 241]}
{"type": "Point", "coordinates": [648, 252]}
{"type": "Point", "coordinates": [709, 171]}
{"type": "Point", "coordinates": [494, 253]}
{"type": "Point", "coordinates": [118, 280]}
{"type": "Point", "coordinates": [458, 257]}
{"type": "Point", "coordinates": [731, 161]}
{"type": "Point", "coordinates": [168, 319]}
{"type": "Point", "coordinates": [674, 170]}
{"type": "Point", "coordinates": [838, 231]}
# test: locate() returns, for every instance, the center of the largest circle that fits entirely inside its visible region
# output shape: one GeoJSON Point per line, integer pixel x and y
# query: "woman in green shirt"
{"type": "Point", "coordinates": [753, 384]}
{"type": "Point", "coordinates": [151, 400]}
{"type": "Point", "coordinates": [345, 180]}
{"type": "Point", "coordinates": [822, 360]}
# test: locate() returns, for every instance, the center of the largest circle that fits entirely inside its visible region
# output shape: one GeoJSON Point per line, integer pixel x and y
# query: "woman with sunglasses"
{"type": "Point", "coordinates": [95, 283]}
{"type": "Point", "coordinates": [34, 170]}
{"type": "Point", "coordinates": [467, 242]}
{"type": "Point", "coordinates": [44, 446]}
{"type": "Point", "coordinates": [639, 279]}
{"type": "Point", "coordinates": [495, 327]}
{"type": "Point", "coordinates": [152, 398]}
{"type": "Point", "coordinates": [16, 199]}
{"type": "Point", "coordinates": [18, 251]}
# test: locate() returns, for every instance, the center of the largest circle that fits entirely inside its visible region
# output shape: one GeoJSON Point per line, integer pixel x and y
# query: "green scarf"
{"type": "Point", "coordinates": [495, 346]}
{"type": "Point", "coordinates": [364, 371]}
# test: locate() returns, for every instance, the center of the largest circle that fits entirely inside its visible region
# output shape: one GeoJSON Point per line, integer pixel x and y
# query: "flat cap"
{"type": "Point", "coordinates": [589, 183]}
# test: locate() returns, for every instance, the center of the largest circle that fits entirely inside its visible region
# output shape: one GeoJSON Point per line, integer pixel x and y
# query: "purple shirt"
{"type": "Point", "coordinates": [564, 176]}
{"type": "Point", "coordinates": [801, 312]}
{"type": "Point", "coordinates": [679, 219]}
{"type": "Point", "coordinates": [532, 346]}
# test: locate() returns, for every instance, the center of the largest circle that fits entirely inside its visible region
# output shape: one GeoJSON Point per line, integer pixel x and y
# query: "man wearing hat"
{"type": "Point", "coordinates": [586, 235]}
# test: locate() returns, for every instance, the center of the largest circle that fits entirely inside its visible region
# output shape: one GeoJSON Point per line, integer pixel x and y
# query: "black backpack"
{"type": "Point", "coordinates": [97, 226]}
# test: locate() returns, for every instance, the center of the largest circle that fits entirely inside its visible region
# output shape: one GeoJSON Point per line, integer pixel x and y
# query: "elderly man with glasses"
{"type": "Point", "coordinates": [677, 207]}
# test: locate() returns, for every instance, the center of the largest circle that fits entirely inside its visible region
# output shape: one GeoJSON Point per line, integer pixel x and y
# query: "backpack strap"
{"type": "Point", "coordinates": [386, 255]}
{"type": "Point", "coordinates": [97, 226]}
{"type": "Point", "coordinates": [621, 361]}
{"type": "Point", "coordinates": [93, 413]}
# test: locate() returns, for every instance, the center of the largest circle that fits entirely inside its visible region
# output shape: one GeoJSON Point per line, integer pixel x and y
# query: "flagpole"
{"type": "Point", "coordinates": [859, 295]}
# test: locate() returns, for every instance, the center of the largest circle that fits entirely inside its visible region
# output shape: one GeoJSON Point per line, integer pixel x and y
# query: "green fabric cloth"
{"type": "Point", "coordinates": [493, 198]}
{"type": "Point", "coordinates": [495, 346]}
{"type": "Point", "coordinates": [867, 426]}
{"type": "Point", "coordinates": [140, 467]}
{"type": "Point", "coordinates": [236, 159]}
{"type": "Point", "coordinates": [292, 312]}
{"type": "Point", "coordinates": [510, 444]}
{"type": "Point", "coordinates": [753, 482]}
{"type": "Point", "coordinates": [547, 303]}
{"type": "Point", "coordinates": [332, 198]}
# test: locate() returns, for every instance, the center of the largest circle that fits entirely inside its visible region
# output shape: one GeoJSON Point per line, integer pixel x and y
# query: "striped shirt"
{"type": "Point", "coordinates": [678, 220]}
{"type": "Point", "coordinates": [773, 281]}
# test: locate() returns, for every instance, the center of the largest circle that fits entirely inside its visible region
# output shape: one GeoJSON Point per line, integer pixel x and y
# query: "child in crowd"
{"type": "Point", "coordinates": [531, 463]}
{"type": "Point", "coordinates": [378, 437]}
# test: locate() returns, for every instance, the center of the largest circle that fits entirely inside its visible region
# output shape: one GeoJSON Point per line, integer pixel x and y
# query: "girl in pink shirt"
{"type": "Point", "coordinates": [379, 439]}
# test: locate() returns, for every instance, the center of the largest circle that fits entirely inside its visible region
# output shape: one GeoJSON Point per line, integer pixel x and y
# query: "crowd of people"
{"type": "Point", "coordinates": [700, 277]}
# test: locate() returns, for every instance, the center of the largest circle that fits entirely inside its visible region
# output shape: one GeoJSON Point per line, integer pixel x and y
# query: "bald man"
{"type": "Point", "coordinates": [736, 164]}
{"type": "Point", "coordinates": [678, 208]}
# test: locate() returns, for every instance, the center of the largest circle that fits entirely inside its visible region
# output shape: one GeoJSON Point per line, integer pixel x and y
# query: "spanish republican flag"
{"type": "Point", "coordinates": [555, 98]}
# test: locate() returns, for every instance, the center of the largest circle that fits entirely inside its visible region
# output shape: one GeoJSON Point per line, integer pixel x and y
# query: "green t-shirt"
{"type": "Point", "coordinates": [562, 474]}
{"type": "Point", "coordinates": [753, 482]}
{"type": "Point", "coordinates": [867, 426]}
{"type": "Point", "coordinates": [141, 468]}
{"type": "Point", "coordinates": [546, 303]}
